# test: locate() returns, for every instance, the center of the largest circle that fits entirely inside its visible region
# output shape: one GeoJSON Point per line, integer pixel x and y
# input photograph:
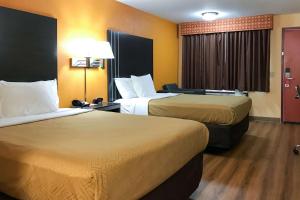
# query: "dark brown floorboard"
{"type": "Point", "coordinates": [261, 167]}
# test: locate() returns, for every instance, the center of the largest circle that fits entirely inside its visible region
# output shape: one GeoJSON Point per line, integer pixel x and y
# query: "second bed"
{"type": "Point", "coordinates": [225, 116]}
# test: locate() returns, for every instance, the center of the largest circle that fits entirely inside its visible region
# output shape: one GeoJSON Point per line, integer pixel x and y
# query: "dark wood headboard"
{"type": "Point", "coordinates": [28, 46]}
{"type": "Point", "coordinates": [133, 56]}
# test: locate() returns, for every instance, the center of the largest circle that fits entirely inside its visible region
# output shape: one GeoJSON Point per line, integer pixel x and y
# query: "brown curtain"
{"type": "Point", "coordinates": [231, 60]}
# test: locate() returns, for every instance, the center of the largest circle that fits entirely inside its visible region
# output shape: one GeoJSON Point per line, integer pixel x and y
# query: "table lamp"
{"type": "Point", "coordinates": [90, 54]}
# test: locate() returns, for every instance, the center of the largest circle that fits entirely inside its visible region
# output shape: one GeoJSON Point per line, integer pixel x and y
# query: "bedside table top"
{"type": "Point", "coordinates": [103, 105]}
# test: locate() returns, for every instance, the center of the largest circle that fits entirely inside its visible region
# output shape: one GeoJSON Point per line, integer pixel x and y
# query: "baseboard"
{"type": "Point", "coordinates": [265, 119]}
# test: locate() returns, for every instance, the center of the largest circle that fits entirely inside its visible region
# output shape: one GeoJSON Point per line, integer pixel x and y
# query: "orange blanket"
{"type": "Point", "coordinates": [95, 155]}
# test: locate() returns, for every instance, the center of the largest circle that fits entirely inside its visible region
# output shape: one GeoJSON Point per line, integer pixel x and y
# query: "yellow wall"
{"type": "Point", "coordinates": [269, 104]}
{"type": "Point", "coordinates": [91, 19]}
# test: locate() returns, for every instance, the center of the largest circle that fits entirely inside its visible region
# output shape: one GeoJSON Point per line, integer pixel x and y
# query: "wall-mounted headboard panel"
{"type": "Point", "coordinates": [28, 46]}
{"type": "Point", "coordinates": [133, 56]}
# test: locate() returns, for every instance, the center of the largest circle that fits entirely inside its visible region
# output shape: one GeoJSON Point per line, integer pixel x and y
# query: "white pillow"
{"type": "Point", "coordinates": [125, 88]}
{"type": "Point", "coordinates": [20, 99]}
{"type": "Point", "coordinates": [143, 85]}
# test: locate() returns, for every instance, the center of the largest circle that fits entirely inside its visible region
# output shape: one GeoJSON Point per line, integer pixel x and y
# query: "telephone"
{"type": "Point", "coordinates": [78, 103]}
{"type": "Point", "coordinates": [97, 100]}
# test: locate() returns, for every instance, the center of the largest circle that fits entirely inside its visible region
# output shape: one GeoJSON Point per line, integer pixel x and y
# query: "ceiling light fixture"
{"type": "Point", "coordinates": [209, 16]}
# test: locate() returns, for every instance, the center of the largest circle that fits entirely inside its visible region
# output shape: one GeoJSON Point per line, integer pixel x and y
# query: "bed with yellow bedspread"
{"type": "Point", "coordinates": [226, 110]}
{"type": "Point", "coordinates": [95, 155]}
{"type": "Point", "coordinates": [226, 117]}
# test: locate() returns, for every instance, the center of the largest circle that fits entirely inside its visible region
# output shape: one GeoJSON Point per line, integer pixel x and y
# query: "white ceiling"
{"type": "Point", "coordinates": [190, 10]}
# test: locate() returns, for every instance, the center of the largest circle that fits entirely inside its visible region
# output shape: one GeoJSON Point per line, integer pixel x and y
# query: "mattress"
{"type": "Point", "coordinates": [225, 110]}
{"type": "Point", "coordinates": [95, 155]}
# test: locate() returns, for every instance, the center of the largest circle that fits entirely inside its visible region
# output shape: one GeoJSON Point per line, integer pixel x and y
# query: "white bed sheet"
{"type": "Point", "coordinates": [62, 112]}
{"type": "Point", "coordinates": [139, 106]}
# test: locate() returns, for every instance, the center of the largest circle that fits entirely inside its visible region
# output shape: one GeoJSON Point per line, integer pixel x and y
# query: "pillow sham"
{"type": "Point", "coordinates": [28, 98]}
{"type": "Point", "coordinates": [125, 88]}
{"type": "Point", "coordinates": [143, 85]}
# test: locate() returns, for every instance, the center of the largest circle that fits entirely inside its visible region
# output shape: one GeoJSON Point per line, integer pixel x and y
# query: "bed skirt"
{"type": "Point", "coordinates": [182, 184]}
{"type": "Point", "coordinates": [226, 136]}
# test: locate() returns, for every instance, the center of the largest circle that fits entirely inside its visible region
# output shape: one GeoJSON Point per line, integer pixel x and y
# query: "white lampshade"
{"type": "Point", "coordinates": [103, 50]}
{"type": "Point", "coordinates": [90, 48]}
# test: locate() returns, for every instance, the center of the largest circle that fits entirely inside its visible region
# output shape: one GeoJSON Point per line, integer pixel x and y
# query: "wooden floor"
{"type": "Point", "coordinates": [262, 167]}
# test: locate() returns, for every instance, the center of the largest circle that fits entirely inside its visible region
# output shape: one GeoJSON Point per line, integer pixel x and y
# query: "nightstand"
{"type": "Point", "coordinates": [106, 106]}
